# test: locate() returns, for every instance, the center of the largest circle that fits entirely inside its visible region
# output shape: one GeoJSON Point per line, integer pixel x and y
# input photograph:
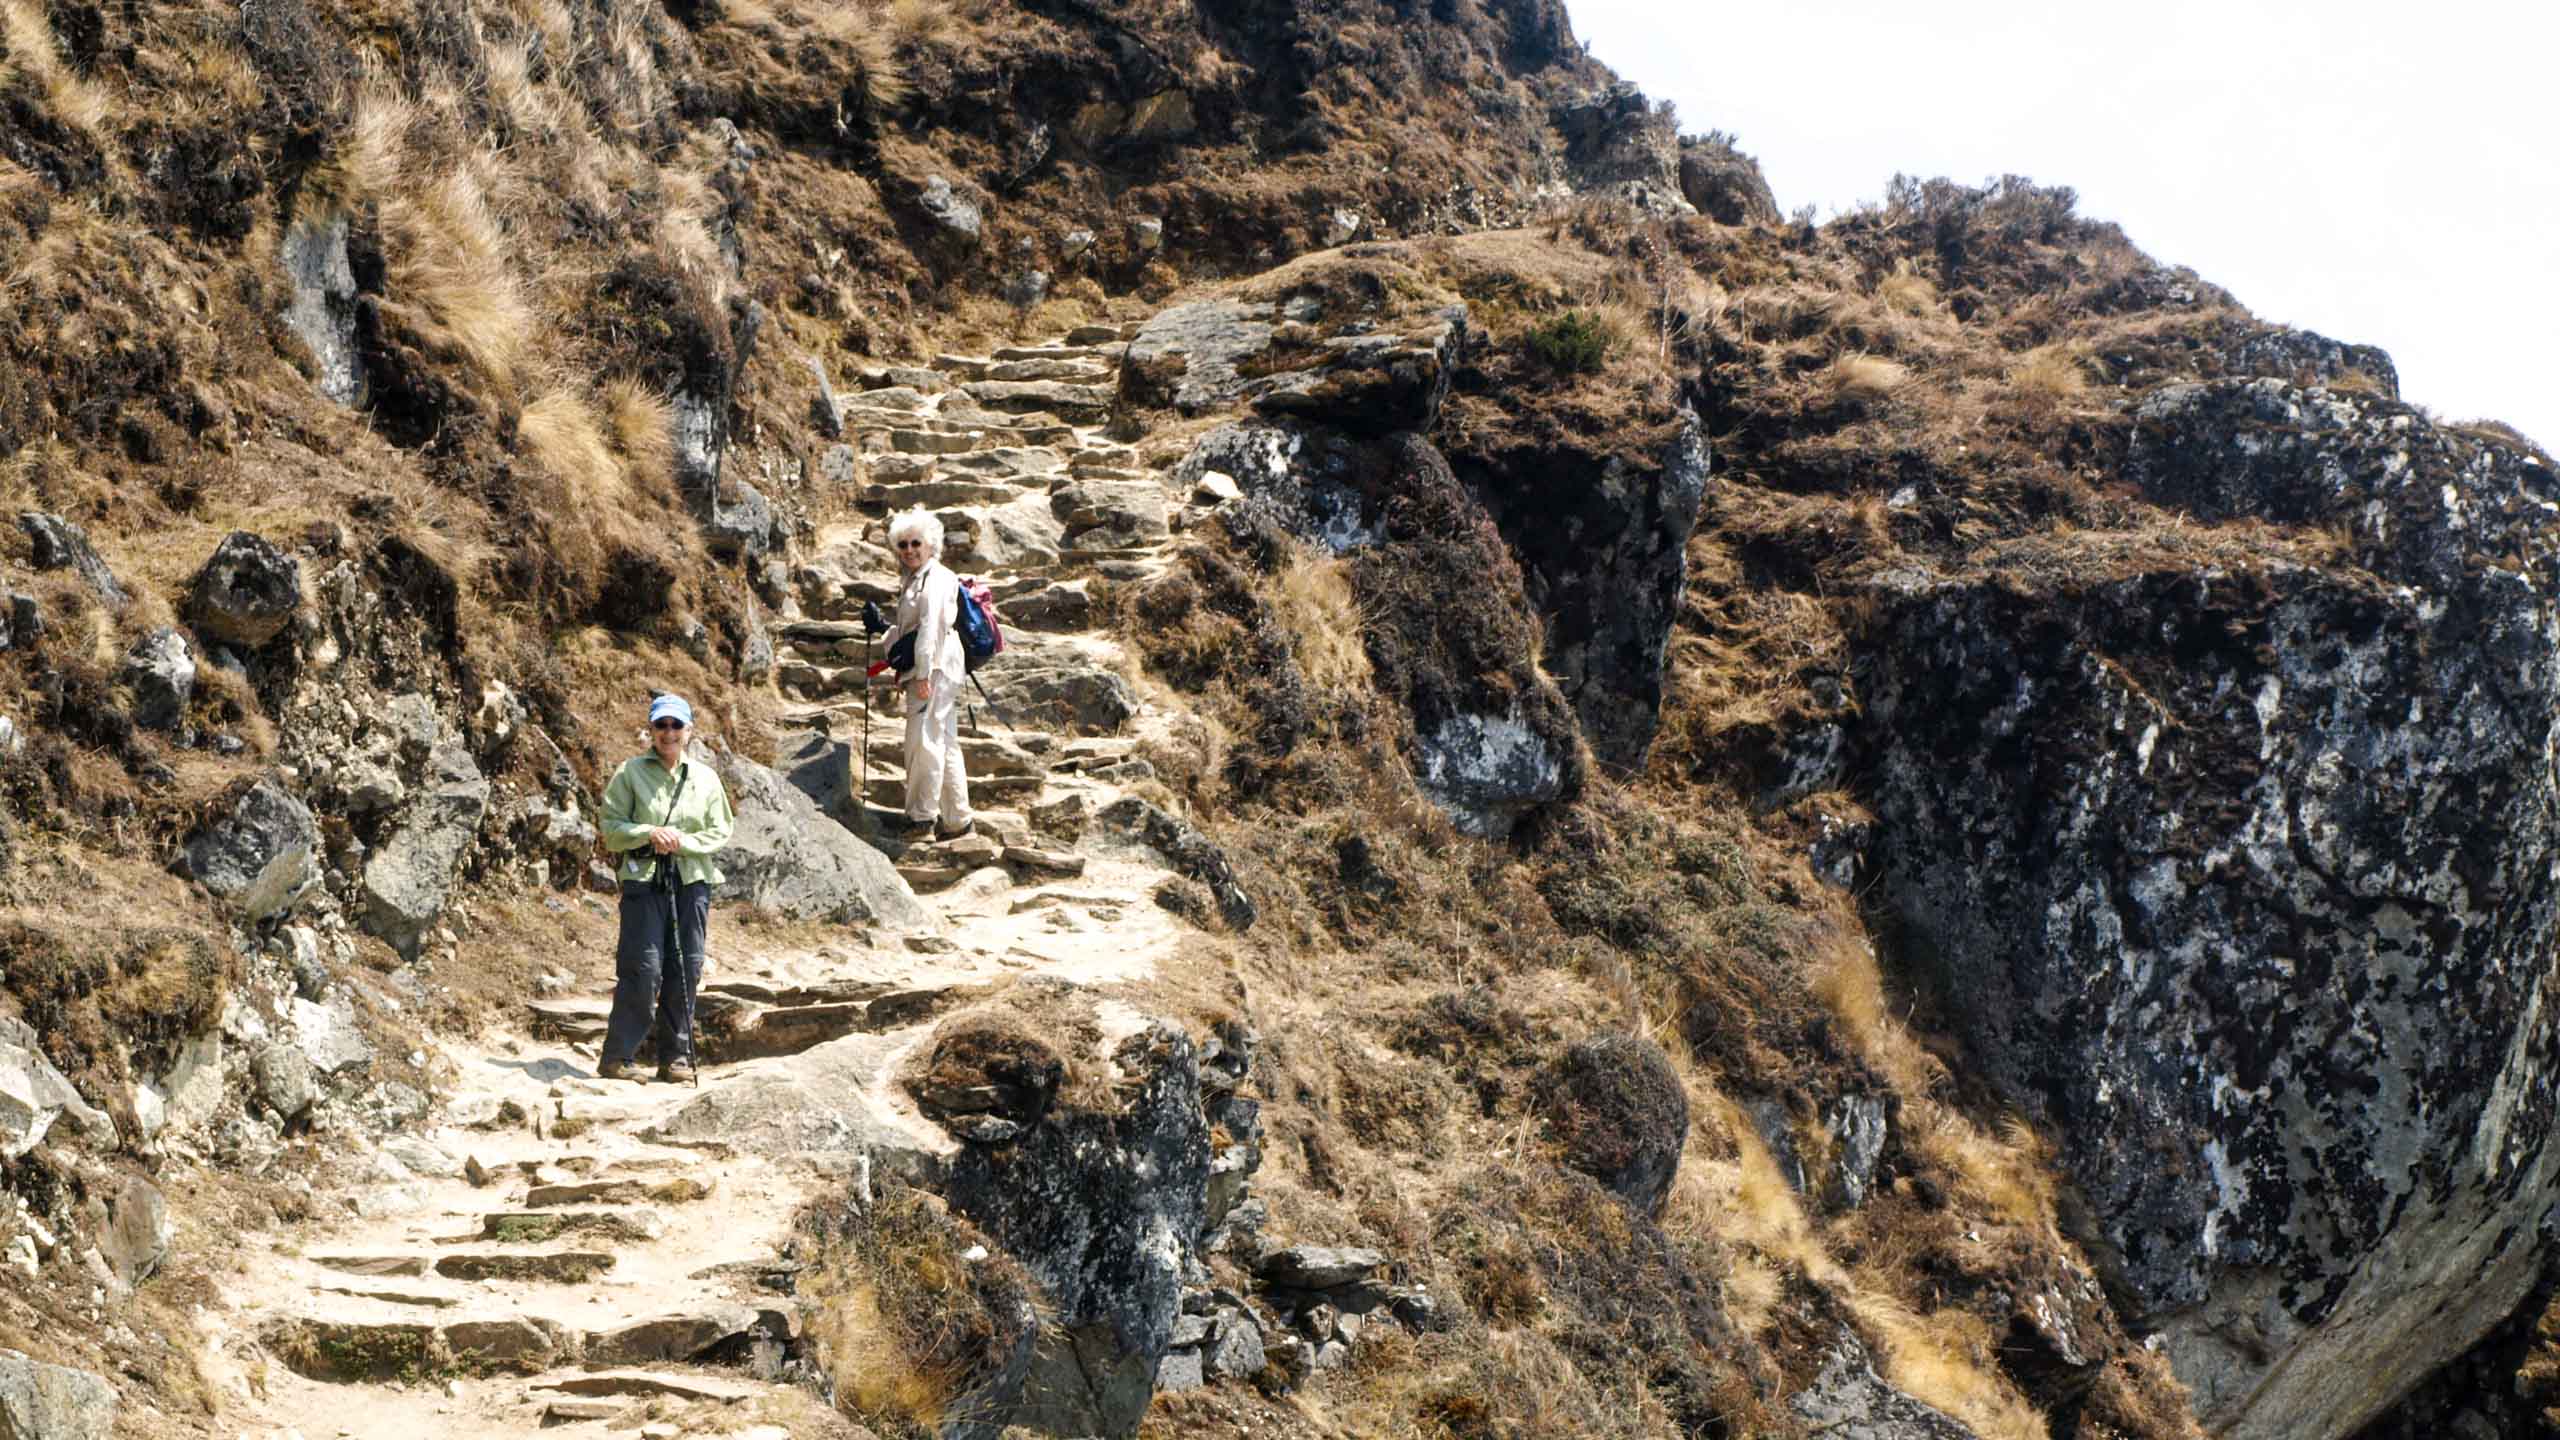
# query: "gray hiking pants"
{"type": "Point", "coordinates": [652, 989]}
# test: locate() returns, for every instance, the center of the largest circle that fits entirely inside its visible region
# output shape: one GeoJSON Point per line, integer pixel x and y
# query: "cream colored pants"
{"type": "Point", "coordinates": [937, 774]}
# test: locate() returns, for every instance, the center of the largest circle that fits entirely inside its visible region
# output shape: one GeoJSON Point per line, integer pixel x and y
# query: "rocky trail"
{"type": "Point", "coordinates": [559, 1254]}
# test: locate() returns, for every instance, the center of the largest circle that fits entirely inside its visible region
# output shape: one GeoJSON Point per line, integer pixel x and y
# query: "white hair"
{"type": "Point", "coordinates": [923, 524]}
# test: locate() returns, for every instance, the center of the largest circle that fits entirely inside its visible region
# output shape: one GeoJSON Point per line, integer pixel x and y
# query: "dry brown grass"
{"type": "Point", "coordinates": [1906, 290]}
{"type": "Point", "coordinates": [1313, 601]}
{"type": "Point", "coordinates": [2054, 375]}
{"type": "Point", "coordinates": [448, 255]}
{"type": "Point", "coordinates": [72, 98]}
{"type": "Point", "coordinates": [641, 422]}
{"type": "Point", "coordinates": [1949, 1359]}
{"type": "Point", "coordinates": [1861, 377]}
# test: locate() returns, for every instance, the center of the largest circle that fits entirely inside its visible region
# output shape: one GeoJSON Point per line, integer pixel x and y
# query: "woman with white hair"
{"type": "Point", "coordinates": [929, 610]}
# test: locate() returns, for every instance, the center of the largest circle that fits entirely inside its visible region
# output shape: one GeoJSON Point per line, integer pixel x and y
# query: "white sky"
{"type": "Point", "coordinates": [2385, 174]}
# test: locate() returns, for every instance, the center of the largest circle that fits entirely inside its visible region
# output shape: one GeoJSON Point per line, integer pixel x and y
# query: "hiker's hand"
{"type": "Point", "coordinates": [665, 841]}
{"type": "Point", "coordinates": [922, 690]}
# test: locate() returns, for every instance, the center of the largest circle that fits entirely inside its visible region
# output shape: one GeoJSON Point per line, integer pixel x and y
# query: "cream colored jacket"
{"type": "Point", "coordinates": [929, 609]}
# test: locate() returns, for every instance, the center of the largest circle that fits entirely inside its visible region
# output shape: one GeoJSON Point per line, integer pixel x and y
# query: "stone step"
{"type": "Point", "coordinates": [1105, 457]}
{"type": "Point", "coordinates": [1021, 464]}
{"type": "Point", "coordinates": [1017, 353]}
{"type": "Point", "coordinates": [639, 1384]}
{"type": "Point", "coordinates": [967, 367]}
{"type": "Point", "coordinates": [682, 1190]}
{"type": "Point", "coordinates": [1054, 367]}
{"type": "Point", "coordinates": [889, 790]}
{"type": "Point", "coordinates": [566, 1267]}
{"type": "Point", "coordinates": [919, 441]}
{"type": "Point", "coordinates": [538, 1227]}
{"type": "Point", "coordinates": [1101, 334]}
{"type": "Point", "coordinates": [1085, 404]}
{"type": "Point", "coordinates": [935, 494]}
{"type": "Point", "coordinates": [913, 377]}
{"type": "Point", "coordinates": [1055, 607]}
{"type": "Point", "coordinates": [889, 399]}
{"type": "Point", "coordinates": [348, 1349]}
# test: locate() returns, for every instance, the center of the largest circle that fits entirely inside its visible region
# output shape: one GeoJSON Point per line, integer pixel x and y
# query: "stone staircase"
{"type": "Point", "coordinates": [1007, 450]}
{"type": "Point", "coordinates": [574, 1257]}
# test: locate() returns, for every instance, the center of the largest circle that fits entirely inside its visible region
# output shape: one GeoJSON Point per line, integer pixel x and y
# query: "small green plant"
{"type": "Point", "coordinates": [1576, 342]}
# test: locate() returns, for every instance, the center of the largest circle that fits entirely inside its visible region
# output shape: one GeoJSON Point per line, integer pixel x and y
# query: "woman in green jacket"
{"type": "Point", "coordinates": [666, 816]}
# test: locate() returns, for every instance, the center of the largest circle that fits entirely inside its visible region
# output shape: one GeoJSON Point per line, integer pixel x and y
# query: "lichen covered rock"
{"type": "Point", "coordinates": [2243, 875]}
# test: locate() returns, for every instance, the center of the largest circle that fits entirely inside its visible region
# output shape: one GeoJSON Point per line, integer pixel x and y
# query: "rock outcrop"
{"type": "Point", "coordinates": [1102, 1208]}
{"type": "Point", "coordinates": [2243, 871]}
{"type": "Point", "coordinates": [788, 858]}
{"type": "Point", "coordinates": [262, 855]}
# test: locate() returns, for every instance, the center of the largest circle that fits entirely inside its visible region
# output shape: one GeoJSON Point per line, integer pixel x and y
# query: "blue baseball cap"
{"type": "Point", "coordinates": [671, 704]}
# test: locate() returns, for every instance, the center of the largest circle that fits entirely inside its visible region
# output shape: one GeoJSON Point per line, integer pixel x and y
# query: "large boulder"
{"type": "Point", "coordinates": [788, 858]}
{"type": "Point", "coordinates": [2244, 870]}
{"type": "Point", "coordinates": [409, 878]}
{"type": "Point", "coordinates": [52, 1402]}
{"type": "Point", "coordinates": [160, 673]}
{"type": "Point", "coordinates": [57, 544]}
{"type": "Point", "coordinates": [1724, 184]}
{"type": "Point", "coordinates": [34, 1096]}
{"type": "Point", "coordinates": [261, 856]}
{"type": "Point", "coordinates": [246, 593]}
{"type": "Point", "coordinates": [1102, 1207]}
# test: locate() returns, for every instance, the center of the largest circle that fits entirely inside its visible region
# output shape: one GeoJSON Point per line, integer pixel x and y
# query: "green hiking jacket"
{"type": "Point", "coordinates": [637, 802]}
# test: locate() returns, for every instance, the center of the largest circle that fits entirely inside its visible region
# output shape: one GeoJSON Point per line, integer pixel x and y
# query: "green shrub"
{"type": "Point", "coordinates": [1576, 342]}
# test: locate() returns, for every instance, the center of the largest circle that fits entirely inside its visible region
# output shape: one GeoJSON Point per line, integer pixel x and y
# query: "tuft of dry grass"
{"type": "Point", "coordinates": [1907, 290]}
{"type": "Point", "coordinates": [918, 22]}
{"type": "Point", "coordinates": [2051, 376]}
{"type": "Point", "coordinates": [448, 254]}
{"type": "Point", "coordinates": [559, 431]}
{"type": "Point", "coordinates": [641, 422]}
{"type": "Point", "coordinates": [75, 100]}
{"type": "Point", "coordinates": [1861, 377]}
{"type": "Point", "coordinates": [1313, 601]}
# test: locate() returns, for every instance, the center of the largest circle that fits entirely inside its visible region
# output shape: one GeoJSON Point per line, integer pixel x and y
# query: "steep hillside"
{"type": "Point", "coordinates": [1609, 814]}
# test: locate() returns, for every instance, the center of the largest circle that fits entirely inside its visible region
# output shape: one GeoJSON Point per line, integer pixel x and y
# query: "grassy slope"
{"type": "Point", "coordinates": [538, 191]}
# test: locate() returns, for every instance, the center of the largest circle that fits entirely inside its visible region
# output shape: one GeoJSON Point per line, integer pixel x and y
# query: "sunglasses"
{"type": "Point", "coordinates": [910, 544]}
{"type": "Point", "coordinates": [666, 724]}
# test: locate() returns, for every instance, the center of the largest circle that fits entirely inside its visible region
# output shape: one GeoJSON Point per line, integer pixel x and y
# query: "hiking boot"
{"type": "Point", "coordinates": [964, 828]}
{"type": "Point", "coordinates": [677, 1072]}
{"type": "Point", "coordinates": [896, 824]}
{"type": "Point", "coordinates": [616, 1070]}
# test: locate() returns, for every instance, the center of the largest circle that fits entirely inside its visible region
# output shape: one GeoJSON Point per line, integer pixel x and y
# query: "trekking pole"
{"type": "Point", "coordinates": [872, 624]}
{"type": "Point", "coordinates": [991, 703]}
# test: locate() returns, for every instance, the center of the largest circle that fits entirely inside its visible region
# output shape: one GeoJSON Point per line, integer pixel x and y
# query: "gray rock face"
{"type": "Point", "coordinates": [61, 545]}
{"type": "Point", "coordinates": [2303, 358]}
{"type": "Point", "coordinates": [34, 1096]}
{"type": "Point", "coordinates": [246, 594]}
{"type": "Point", "coordinates": [136, 1237]}
{"type": "Point", "coordinates": [1858, 1128]}
{"type": "Point", "coordinates": [1191, 853]}
{"type": "Point", "coordinates": [1303, 473]}
{"type": "Point", "coordinates": [1850, 1401]}
{"type": "Point", "coordinates": [2247, 876]}
{"type": "Point", "coordinates": [1060, 690]}
{"type": "Point", "coordinates": [161, 673]}
{"type": "Point", "coordinates": [1211, 354]}
{"type": "Point", "coordinates": [788, 858]}
{"type": "Point", "coordinates": [742, 523]}
{"type": "Point", "coordinates": [1488, 770]}
{"type": "Point", "coordinates": [1603, 557]}
{"type": "Point", "coordinates": [1725, 185]}
{"type": "Point", "coordinates": [284, 1080]}
{"type": "Point", "coordinates": [1614, 135]}
{"type": "Point", "coordinates": [1102, 1210]}
{"type": "Point", "coordinates": [322, 308]}
{"type": "Point", "coordinates": [409, 878]}
{"type": "Point", "coordinates": [953, 213]}
{"type": "Point", "coordinates": [50, 1402]}
{"type": "Point", "coordinates": [262, 856]}
{"type": "Point", "coordinates": [1192, 356]}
